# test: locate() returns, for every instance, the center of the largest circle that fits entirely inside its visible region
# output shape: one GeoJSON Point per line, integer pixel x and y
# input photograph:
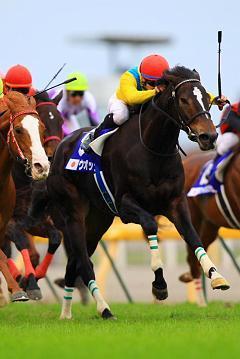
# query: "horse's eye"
{"type": "Point", "coordinates": [18, 130]}
{"type": "Point", "coordinates": [184, 101]}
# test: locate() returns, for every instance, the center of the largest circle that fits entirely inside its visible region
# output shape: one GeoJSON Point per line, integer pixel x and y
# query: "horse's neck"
{"type": "Point", "coordinates": [6, 161]}
{"type": "Point", "coordinates": [159, 133]}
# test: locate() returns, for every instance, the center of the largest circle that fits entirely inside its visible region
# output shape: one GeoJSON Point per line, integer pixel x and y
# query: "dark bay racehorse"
{"type": "Point", "coordinates": [21, 135]}
{"type": "Point", "coordinates": [16, 231]}
{"type": "Point", "coordinates": [144, 171]}
{"type": "Point", "coordinates": [206, 215]}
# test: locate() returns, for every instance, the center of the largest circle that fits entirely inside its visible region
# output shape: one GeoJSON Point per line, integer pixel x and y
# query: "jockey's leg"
{"type": "Point", "coordinates": [118, 114]}
{"type": "Point", "coordinates": [225, 143]}
{"type": "Point", "coordinates": [180, 216]}
{"type": "Point", "coordinates": [131, 212]}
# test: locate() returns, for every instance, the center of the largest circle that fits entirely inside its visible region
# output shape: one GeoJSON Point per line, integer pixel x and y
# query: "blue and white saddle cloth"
{"type": "Point", "coordinates": [91, 163]}
{"type": "Point", "coordinates": [211, 179]}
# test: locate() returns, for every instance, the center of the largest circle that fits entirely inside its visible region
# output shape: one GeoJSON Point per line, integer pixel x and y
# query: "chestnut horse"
{"type": "Point", "coordinates": [22, 136]}
{"type": "Point", "coordinates": [205, 213]}
{"type": "Point", "coordinates": [144, 171]}
{"type": "Point", "coordinates": [16, 231]}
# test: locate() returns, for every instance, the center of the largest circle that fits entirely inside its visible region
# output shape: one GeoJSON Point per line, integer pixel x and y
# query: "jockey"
{"type": "Point", "coordinates": [136, 86]}
{"type": "Point", "coordinates": [1, 88]}
{"type": "Point", "coordinates": [77, 98]}
{"type": "Point", "coordinates": [230, 129]}
{"type": "Point", "coordinates": [18, 78]}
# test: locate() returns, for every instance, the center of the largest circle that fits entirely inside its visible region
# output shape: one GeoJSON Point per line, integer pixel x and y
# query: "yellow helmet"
{"type": "Point", "coordinates": [81, 84]}
{"type": "Point", "coordinates": [1, 88]}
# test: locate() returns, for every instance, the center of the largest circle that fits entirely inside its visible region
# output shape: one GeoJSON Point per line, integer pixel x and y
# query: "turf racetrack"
{"type": "Point", "coordinates": [141, 331]}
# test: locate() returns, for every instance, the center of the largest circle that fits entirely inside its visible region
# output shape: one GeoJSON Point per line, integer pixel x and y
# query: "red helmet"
{"type": "Point", "coordinates": [18, 77]}
{"type": "Point", "coordinates": [153, 66]}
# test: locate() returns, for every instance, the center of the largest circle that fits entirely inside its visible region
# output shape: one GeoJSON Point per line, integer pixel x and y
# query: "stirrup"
{"type": "Point", "coordinates": [88, 138]}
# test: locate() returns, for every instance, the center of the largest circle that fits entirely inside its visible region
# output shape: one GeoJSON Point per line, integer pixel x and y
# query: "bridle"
{"type": "Point", "coordinates": [11, 137]}
{"type": "Point", "coordinates": [49, 138]}
{"type": "Point", "coordinates": [180, 122]}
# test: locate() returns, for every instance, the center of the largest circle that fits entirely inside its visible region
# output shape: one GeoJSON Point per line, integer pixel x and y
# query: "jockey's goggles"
{"type": "Point", "coordinates": [76, 93]}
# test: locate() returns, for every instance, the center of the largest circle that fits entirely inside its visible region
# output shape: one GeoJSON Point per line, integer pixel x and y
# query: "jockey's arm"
{"type": "Point", "coordinates": [129, 93]}
{"type": "Point", "coordinates": [220, 102]}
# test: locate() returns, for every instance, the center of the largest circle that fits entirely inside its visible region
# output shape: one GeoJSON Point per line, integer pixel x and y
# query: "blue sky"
{"type": "Point", "coordinates": [35, 33]}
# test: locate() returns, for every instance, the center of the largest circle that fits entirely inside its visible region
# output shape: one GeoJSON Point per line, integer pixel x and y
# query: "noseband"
{"type": "Point", "coordinates": [11, 136]}
{"type": "Point", "coordinates": [49, 138]}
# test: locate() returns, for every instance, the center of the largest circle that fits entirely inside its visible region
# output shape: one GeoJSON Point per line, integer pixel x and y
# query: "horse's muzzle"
{"type": "Point", "coordinates": [40, 170]}
{"type": "Point", "coordinates": [207, 141]}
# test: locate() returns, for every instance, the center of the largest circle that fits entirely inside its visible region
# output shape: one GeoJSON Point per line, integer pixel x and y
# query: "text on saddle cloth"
{"type": "Point", "coordinates": [91, 163]}
{"type": "Point", "coordinates": [210, 179]}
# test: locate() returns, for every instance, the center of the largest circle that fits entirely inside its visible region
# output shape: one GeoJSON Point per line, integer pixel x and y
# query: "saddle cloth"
{"type": "Point", "coordinates": [91, 163]}
{"type": "Point", "coordinates": [211, 176]}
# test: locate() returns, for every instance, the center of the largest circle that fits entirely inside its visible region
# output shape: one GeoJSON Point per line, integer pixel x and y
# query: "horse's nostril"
{"type": "Point", "coordinates": [204, 137]}
{"type": "Point", "coordinates": [39, 168]}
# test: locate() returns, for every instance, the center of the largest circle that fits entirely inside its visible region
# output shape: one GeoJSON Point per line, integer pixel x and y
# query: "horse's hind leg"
{"type": "Point", "coordinates": [180, 216]}
{"type": "Point", "coordinates": [130, 211]}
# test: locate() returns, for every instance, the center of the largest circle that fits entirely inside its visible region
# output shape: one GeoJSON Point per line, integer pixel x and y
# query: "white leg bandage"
{"type": "Point", "coordinates": [156, 261]}
{"type": "Point", "coordinates": [101, 304]}
{"type": "Point", "coordinates": [67, 303]}
{"type": "Point", "coordinates": [205, 261]}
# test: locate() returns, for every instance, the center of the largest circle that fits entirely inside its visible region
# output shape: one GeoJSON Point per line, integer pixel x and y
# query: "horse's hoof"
{"type": "Point", "coordinates": [3, 301]}
{"type": "Point", "coordinates": [106, 314]}
{"type": "Point", "coordinates": [34, 294]}
{"type": "Point", "coordinates": [186, 277]}
{"type": "Point", "coordinates": [220, 283]}
{"type": "Point", "coordinates": [65, 316]}
{"type": "Point", "coordinates": [160, 293]}
{"type": "Point", "coordinates": [20, 296]}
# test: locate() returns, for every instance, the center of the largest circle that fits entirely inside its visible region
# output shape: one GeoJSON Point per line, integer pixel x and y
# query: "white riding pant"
{"type": "Point", "coordinates": [119, 110]}
{"type": "Point", "coordinates": [226, 141]}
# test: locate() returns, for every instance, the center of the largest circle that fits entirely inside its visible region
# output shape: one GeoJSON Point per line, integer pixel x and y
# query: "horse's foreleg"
{"type": "Point", "coordinates": [54, 238]}
{"type": "Point", "coordinates": [180, 216]}
{"type": "Point", "coordinates": [17, 235]}
{"type": "Point", "coordinates": [131, 212]}
{"type": "Point", "coordinates": [16, 293]}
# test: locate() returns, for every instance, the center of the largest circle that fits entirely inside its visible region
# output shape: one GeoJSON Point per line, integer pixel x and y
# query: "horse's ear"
{"type": "Point", "coordinates": [58, 98]}
{"type": "Point", "coordinates": [197, 73]}
{"type": "Point", "coordinates": [4, 120]}
{"type": "Point", "coordinates": [32, 101]}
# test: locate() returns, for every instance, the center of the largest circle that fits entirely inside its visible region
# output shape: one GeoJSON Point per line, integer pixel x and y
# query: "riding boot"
{"type": "Point", "coordinates": [107, 124]}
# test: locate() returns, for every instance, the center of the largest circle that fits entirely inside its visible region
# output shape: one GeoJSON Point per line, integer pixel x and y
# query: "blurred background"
{"type": "Point", "coordinates": [102, 39]}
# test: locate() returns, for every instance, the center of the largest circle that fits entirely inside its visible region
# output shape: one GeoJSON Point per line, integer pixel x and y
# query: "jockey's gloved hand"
{"type": "Point", "coordinates": [221, 101]}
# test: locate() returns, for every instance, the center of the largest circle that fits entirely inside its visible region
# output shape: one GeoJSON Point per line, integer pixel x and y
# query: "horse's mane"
{"type": "Point", "coordinates": [180, 73]}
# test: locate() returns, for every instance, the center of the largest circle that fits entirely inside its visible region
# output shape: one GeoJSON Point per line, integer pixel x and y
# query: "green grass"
{"type": "Point", "coordinates": [141, 331]}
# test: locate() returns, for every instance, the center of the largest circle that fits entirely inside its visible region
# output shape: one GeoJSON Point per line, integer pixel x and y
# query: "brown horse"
{"type": "Point", "coordinates": [206, 215]}
{"type": "Point", "coordinates": [21, 135]}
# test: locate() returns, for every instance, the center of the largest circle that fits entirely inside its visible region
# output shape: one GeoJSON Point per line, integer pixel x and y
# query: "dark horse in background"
{"type": "Point", "coordinates": [16, 230]}
{"type": "Point", "coordinates": [206, 215]}
{"type": "Point", "coordinates": [144, 171]}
